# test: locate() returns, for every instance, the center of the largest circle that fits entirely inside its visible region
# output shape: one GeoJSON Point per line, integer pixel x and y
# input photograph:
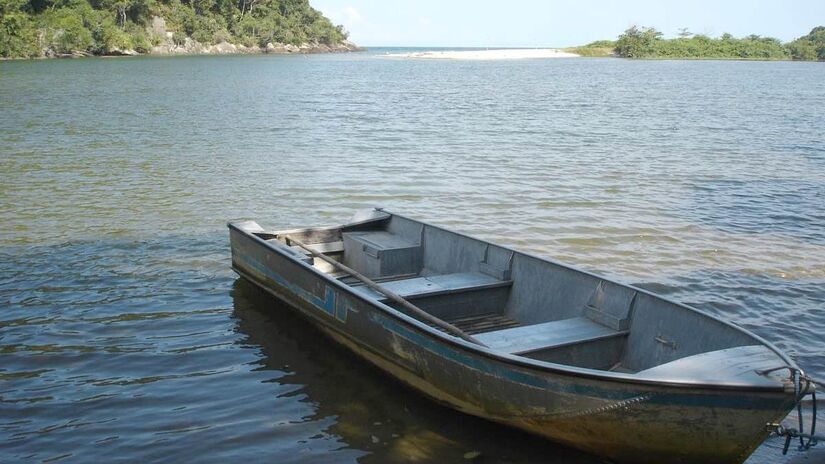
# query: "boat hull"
{"type": "Point", "coordinates": [625, 421]}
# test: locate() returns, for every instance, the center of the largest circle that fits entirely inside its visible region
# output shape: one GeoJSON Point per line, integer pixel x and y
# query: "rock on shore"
{"type": "Point", "coordinates": [193, 47]}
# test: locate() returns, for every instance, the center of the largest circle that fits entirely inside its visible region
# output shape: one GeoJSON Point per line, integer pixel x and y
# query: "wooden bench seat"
{"type": "Point", "coordinates": [554, 334]}
{"type": "Point", "coordinates": [435, 285]}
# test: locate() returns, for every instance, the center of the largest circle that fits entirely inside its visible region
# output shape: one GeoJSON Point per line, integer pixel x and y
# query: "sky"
{"type": "Point", "coordinates": [560, 23]}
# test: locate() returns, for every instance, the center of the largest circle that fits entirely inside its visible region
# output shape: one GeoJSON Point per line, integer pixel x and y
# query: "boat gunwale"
{"type": "Point", "coordinates": [541, 366]}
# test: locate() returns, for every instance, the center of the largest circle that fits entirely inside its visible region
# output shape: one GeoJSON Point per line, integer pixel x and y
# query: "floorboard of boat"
{"type": "Point", "coordinates": [355, 282]}
{"type": "Point", "coordinates": [482, 323]}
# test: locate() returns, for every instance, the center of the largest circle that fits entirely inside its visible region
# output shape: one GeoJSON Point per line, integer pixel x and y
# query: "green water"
{"type": "Point", "coordinates": [124, 335]}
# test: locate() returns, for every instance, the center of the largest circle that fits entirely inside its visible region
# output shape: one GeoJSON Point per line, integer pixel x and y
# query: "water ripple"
{"type": "Point", "coordinates": [124, 333]}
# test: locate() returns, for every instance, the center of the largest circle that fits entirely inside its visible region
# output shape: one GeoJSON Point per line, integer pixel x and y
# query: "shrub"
{"type": "Point", "coordinates": [647, 43]}
{"type": "Point", "coordinates": [18, 36]}
{"type": "Point", "coordinates": [141, 42]}
{"type": "Point", "coordinates": [109, 36]}
{"type": "Point", "coordinates": [64, 31]}
{"type": "Point", "coordinates": [638, 42]}
{"type": "Point", "coordinates": [809, 47]}
{"type": "Point", "coordinates": [601, 44]}
{"type": "Point", "coordinates": [208, 29]}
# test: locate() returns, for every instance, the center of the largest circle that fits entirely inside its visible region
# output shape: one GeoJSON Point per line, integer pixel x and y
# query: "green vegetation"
{"type": "Point", "coordinates": [30, 28]}
{"type": "Point", "coordinates": [598, 48]}
{"type": "Point", "coordinates": [647, 42]}
{"type": "Point", "coordinates": [809, 47]}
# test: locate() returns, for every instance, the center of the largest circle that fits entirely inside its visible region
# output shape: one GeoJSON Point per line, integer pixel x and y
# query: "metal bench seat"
{"type": "Point", "coordinates": [435, 285]}
{"type": "Point", "coordinates": [554, 334]}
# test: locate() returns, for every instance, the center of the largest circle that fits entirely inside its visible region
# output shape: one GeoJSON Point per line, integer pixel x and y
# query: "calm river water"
{"type": "Point", "coordinates": [125, 336]}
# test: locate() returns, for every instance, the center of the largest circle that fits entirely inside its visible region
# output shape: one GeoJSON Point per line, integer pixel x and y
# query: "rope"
{"type": "Point", "coordinates": [798, 377]}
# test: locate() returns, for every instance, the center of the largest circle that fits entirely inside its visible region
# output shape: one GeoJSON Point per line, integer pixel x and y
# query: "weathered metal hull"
{"type": "Point", "coordinates": [621, 420]}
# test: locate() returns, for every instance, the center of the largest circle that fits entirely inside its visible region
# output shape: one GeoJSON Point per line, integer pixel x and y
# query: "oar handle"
{"type": "Point", "coordinates": [420, 313]}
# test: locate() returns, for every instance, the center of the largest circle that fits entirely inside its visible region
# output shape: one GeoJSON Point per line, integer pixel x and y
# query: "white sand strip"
{"type": "Point", "coordinates": [502, 54]}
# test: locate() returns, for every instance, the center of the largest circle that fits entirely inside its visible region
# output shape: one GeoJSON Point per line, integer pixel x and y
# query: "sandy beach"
{"type": "Point", "coordinates": [499, 54]}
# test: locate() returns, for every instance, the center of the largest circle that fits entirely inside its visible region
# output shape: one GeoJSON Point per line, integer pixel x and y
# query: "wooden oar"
{"type": "Point", "coordinates": [420, 313]}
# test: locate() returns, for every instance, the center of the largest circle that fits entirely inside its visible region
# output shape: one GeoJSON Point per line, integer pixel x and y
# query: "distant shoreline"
{"type": "Point", "coordinates": [83, 28]}
{"type": "Point", "coordinates": [649, 43]}
{"type": "Point", "coordinates": [495, 54]}
{"type": "Point", "coordinates": [194, 48]}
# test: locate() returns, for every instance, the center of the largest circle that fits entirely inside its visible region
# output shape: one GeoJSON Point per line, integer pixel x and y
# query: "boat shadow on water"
{"type": "Point", "coordinates": [585, 361]}
{"type": "Point", "coordinates": [374, 412]}
{"type": "Point", "coordinates": [389, 422]}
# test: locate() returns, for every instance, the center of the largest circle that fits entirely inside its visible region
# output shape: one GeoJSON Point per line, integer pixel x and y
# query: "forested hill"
{"type": "Point", "coordinates": [32, 28]}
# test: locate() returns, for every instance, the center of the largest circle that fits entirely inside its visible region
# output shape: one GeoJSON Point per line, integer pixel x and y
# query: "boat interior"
{"type": "Point", "coordinates": [525, 306]}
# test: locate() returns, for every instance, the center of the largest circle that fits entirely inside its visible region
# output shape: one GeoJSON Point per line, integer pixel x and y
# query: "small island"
{"type": "Point", "coordinates": [647, 42]}
{"type": "Point", "coordinates": [72, 28]}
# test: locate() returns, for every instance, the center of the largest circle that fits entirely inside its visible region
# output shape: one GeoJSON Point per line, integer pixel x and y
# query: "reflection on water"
{"type": "Point", "coordinates": [124, 333]}
{"type": "Point", "coordinates": [367, 410]}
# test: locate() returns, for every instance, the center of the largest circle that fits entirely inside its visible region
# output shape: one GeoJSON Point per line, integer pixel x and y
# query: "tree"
{"type": "Point", "coordinates": [809, 47]}
{"type": "Point", "coordinates": [18, 36]}
{"type": "Point", "coordinates": [684, 33]}
{"type": "Point", "coordinates": [802, 50]}
{"type": "Point", "coordinates": [638, 42]}
{"type": "Point", "coordinates": [11, 6]}
{"type": "Point", "coordinates": [32, 27]}
{"type": "Point", "coordinates": [65, 31]}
